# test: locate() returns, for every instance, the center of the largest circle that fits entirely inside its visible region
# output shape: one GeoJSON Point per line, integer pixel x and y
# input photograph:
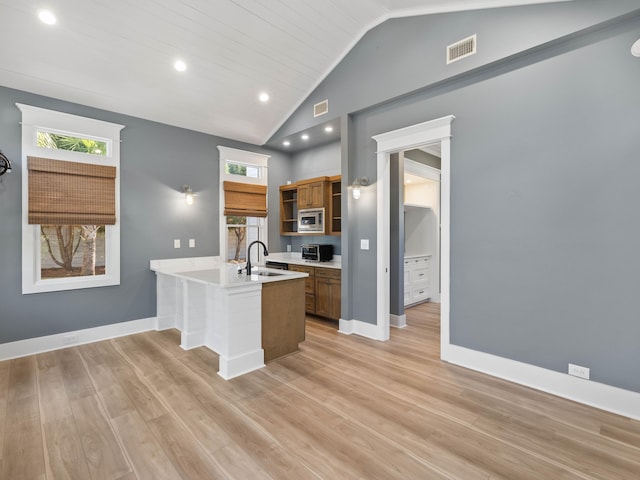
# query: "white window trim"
{"type": "Point", "coordinates": [34, 119]}
{"type": "Point", "coordinates": [248, 158]}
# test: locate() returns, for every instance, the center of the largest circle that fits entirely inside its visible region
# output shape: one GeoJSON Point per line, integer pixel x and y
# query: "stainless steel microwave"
{"type": "Point", "coordinates": [311, 220]}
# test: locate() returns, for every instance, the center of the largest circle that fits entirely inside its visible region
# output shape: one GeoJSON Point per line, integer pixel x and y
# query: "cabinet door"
{"type": "Point", "coordinates": [317, 190]}
{"type": "Point", "coordinates": [304, 196]}
{"type": "Point", "coordinates": [328, 293]}
{"type": "Point", "coordinates": [309, 286]}
{"type": "Point", "coordinates": [336, 299]}
{"type": "Point", "coordinates": [312, 195]}
{"type": "Point", "coordinates": [323, 297]}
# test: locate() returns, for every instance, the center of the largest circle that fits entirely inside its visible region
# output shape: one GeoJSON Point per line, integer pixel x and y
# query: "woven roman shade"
{"type": "Point", "coordinates": [244, 199]}
{"type": "Point", "coordinates": [71, 193]}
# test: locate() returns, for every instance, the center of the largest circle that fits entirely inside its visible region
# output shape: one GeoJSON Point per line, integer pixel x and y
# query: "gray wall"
{"type": "Point", "coordinates": [544, 195]}
{"type": "Point", "coordinates": [156, 160]}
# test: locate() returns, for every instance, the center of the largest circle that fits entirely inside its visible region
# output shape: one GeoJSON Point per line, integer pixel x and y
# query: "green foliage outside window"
{"type": "Point", "coordinates": [75, 144]}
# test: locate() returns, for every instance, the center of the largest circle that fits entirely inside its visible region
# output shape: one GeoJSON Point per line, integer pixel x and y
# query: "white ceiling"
{"type": "Point", "coordinates": [118, 55]}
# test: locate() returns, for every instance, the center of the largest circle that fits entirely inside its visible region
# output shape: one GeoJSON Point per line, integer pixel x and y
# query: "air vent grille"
{"type": "Point", "coordinates": [461, 49]}
{"type": "Point", "coordinates": [321, 108]}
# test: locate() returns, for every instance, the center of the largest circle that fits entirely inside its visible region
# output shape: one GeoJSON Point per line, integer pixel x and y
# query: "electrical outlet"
{"type": "Point", "coordinates": [192, 243]}
{"type": "Point", "coordinates": [364, 244]}
{"type": "Point", "coordinates": [578, 371]}
{"type": "Point", "coordinates": [289, 248]}
{"type": "Point", "coordinates": [176, 243]}
{"type": "Point", "coordinates": [70, 339]}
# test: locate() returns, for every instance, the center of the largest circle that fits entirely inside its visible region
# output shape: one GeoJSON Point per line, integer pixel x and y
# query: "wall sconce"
{"type": "Point", "coordinates": [188, 194]}
{"type": "Point", "coordinates": [357, 184]}
{"type": "Point", "coordinates": [5, 164]}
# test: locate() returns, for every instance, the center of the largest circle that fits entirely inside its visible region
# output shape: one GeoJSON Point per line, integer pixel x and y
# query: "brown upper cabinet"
{"type": "Point", "coordinates": [312, 193]}
{"type": "Point", "coordinates": [319, 192]}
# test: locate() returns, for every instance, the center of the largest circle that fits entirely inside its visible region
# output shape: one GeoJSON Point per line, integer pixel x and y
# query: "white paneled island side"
{"type": "Point", "coordinates": [217, 308]}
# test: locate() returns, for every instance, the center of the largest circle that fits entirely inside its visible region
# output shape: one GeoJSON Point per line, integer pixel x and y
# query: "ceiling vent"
{"type": "Point", "coordinates": [461, 49]}
{"type": "Point", "coordinates": [321, 108]}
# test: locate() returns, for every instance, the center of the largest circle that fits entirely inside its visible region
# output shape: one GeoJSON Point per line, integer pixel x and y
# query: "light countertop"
{"type": "Point", "coordinates": [206, 270]}
{"type": "Point", "coordinates": [296, 259]}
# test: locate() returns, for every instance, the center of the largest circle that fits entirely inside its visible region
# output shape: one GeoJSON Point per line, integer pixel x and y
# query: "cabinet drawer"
{"type": "Point", "coordinates": [419, 274]}
{"type": "Point", "coordinates": [420, 293]}
{"type": "Point", "coordinates": [333, 273]}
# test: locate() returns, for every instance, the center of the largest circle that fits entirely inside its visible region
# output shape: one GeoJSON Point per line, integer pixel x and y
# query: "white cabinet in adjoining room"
{"type": "Point", "coordinates": [419, 243]}
{"type": "Point", "coordinates": [417, 283]}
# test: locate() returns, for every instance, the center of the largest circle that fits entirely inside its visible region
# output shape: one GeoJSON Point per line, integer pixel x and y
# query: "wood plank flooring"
{"type": "Point", "coordinates": [344, 407]}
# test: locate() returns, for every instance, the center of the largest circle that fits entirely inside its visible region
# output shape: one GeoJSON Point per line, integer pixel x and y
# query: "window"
{"type": "Point", "coordinates": [243, 180]}
{"type": "Point", "coordinates": [241, 231]}
{"type": "Point", "coordinates": [243, 170]}
{"type": "Point", "coordinates": [62, 141]}
{"type": "Point", "coordinates": [70, 175]}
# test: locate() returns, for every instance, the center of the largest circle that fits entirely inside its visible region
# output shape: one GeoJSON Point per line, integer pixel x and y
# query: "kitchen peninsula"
{"type": "Point", "coordinates": [245, 319]}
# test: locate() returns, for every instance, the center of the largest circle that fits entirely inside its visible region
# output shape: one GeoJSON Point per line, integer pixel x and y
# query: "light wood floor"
{"type": "Point", "coordinates": [345, 407]}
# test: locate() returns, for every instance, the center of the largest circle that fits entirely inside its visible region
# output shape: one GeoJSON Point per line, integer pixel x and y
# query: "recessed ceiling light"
{"type": "Point", "coordinates": [286, 143]}
{"type": "Point", "coordinates": [304, 136]}
{"type": "Point", "coordinates": [328, 129]}
{"type": "Point", "coordinates": [635, 49]}
{"type": "Point", "coordinates": [47, 17]}
{"type": "Point", "coordinates": [264, 97]}
{"type": "Point", "coordinates": [180, 66]}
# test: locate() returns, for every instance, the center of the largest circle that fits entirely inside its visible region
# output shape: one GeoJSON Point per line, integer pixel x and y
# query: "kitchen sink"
{"type": "Point", "coordinates": [266, 273]}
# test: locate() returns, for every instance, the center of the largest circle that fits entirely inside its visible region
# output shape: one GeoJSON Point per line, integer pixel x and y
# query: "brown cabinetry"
{"type": "Point", "coordinates": [321, 290]}
{"type": "Point", "coordinates": [335, 205]}
{"type": "Point", "coordinates": [312, 194]}
{"type": "Point", "coordinates": [288, 210]}
{"type": "Point", "coordinates": [320, 192]}
{"type": "Point", "coordinates": [309, 286]}
{"type": "Point", "coordinates": [328, 294]}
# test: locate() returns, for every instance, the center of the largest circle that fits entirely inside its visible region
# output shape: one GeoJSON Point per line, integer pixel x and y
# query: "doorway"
{"type": "Point", "coordinates": [421, 206]}
{"type": "Point", "coordinates": [389, 143]}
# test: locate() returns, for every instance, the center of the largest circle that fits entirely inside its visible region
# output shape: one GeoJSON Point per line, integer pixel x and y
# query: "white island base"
{"type": "Point", "coordinates": [225, 317]}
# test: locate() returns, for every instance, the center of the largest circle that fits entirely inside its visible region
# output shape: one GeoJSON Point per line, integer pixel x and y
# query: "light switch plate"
{"type": "Point", "coordinates": [364, 244]}
{"type": "Point", "coordinates": [176, 243]}
{"type": "Point", "coordinates": [192, 243]}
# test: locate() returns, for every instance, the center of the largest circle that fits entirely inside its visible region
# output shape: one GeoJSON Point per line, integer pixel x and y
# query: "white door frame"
{"type": "Point", "coordinates": [393, 142]}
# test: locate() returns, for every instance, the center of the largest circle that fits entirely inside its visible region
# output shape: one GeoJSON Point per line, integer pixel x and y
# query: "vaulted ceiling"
{"type": "Point", "coordinates": [119, 55]}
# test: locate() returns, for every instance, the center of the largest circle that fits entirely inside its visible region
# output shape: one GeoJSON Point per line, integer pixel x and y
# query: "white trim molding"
{"type": "Point", "coordinates": [364, 329]}
{"type": "Point", "coordinates": [598, 395]}
{"type": "Point", "coordinates": [34, 119]}
{"type": "Point", "coordinates": [398, 321]}
{"type": "Point", "coordinates": [392, 142]}
{"type": "Point", "coordinates": [32, 346]}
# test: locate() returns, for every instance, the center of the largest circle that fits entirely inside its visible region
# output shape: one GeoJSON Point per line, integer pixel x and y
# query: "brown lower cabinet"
{"type": "Point", "coordinates": [322, 290]}
{"type": "Point", "coordinates": [328, 294]}
{"type": "Point", "coordinates": [309, 286]}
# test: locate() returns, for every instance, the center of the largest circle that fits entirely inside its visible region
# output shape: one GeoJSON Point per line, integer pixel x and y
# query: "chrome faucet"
{"type": "Point", "coordinates": [266, 253]}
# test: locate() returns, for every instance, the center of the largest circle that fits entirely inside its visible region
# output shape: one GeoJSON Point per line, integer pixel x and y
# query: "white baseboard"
{"type": "Point", "coordinates": [234, 367]}
{"type": "Point", "coordinates": [369, 330]}
{"type": "Point", "coordinates": [598, 395]}
{"type": "Point", "coordinates": [398, 321]}
{"type": "Point", "coordinates": [31, 346]}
